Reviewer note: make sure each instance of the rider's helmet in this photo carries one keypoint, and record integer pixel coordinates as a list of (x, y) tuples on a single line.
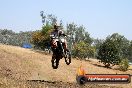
[(56, 26)]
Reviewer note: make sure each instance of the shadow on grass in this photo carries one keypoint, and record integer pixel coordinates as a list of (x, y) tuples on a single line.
[(101, 66)]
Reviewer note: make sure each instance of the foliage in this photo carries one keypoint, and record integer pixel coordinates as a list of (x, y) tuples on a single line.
[(97, 43), (83, 50), (79, 41), (78, 33), (82, 35), (17, 39), (123, 66), (41, 38), (113, 49), (130, 51)]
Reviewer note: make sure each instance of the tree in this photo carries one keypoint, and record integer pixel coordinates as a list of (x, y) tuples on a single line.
[(17, 39), (70, 31), (130, 51), (82, 35), (113, 50), (41, 38), (97, 43), (77, 34), (79, 41)]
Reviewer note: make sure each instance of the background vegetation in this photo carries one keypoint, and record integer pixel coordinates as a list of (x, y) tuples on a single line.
[(114, 50)]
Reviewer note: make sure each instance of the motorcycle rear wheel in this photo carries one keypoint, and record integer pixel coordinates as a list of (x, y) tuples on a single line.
[(68, 57)]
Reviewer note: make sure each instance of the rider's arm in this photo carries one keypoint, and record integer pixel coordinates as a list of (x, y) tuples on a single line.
[(52, 34)]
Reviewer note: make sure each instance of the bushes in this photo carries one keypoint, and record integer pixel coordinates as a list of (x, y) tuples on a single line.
[(41, 38), (83, 50), (123, 66), (108, 53), (113, 49)]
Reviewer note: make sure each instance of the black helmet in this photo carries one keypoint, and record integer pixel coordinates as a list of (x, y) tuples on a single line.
[(56, 26)]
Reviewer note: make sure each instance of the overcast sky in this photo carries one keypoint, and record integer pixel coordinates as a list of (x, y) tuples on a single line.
[(100, 17)]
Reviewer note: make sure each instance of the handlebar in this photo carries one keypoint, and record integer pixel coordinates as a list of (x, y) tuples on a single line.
[(54, 37)]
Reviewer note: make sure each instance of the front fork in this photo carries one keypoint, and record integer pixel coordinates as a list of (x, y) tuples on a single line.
[(62, 48)]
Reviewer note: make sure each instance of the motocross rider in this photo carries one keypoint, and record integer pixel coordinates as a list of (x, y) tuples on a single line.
[(58, 32)]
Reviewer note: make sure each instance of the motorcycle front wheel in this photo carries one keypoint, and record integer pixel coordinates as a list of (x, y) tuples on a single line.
[(55, 62)]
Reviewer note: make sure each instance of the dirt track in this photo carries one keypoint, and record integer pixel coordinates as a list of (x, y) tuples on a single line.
[(17, 65)]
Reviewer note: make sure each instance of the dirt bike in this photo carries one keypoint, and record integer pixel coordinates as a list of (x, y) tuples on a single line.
[(59, 52)]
